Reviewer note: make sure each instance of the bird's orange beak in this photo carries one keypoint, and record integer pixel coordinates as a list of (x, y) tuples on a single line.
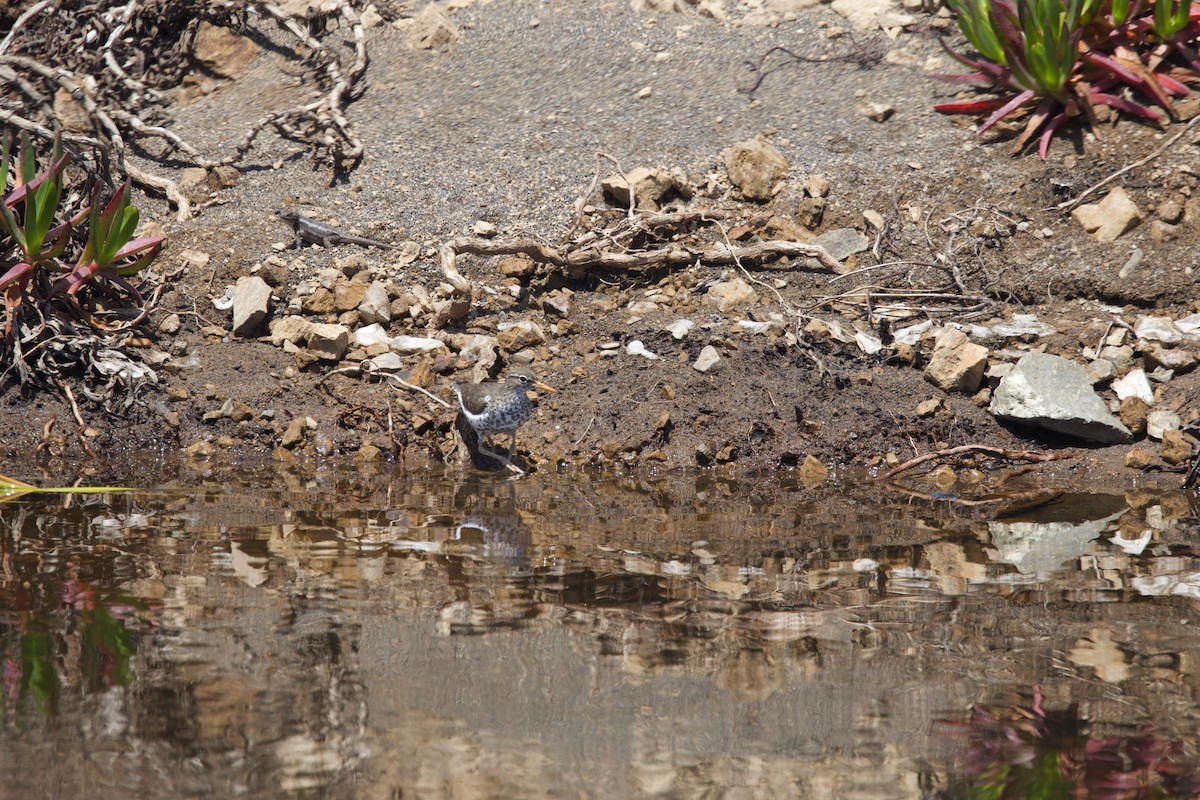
[(542, 387)]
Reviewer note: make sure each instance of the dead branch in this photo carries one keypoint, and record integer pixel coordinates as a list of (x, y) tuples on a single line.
[(999, 452), (1070, 204)]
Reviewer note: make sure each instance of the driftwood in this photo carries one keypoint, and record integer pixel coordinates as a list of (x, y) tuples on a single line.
[(606, 251)]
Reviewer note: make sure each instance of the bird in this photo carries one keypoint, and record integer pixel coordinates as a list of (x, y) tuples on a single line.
[(494, 407)]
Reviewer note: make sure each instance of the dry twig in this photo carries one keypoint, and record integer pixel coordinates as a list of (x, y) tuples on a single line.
[(1000, 452)]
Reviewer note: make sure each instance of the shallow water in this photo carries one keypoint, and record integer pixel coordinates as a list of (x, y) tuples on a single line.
[(449, 636)]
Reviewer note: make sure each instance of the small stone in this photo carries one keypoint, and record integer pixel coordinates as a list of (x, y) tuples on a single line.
[(727, 454), (644, 93), (294, 330), (251, 303), (756, 168), (328, 341), (517, 266), (169, 325), (386, 362), (680, 328), (842, 243), (368, 453), (1138, 458), (1157, 329), (726, 294), (942, 475), (376, 305), (432, 29), (557, 302), (638, 348), (812, 472), (1134, 384), (704, 455), (294, 434), (1169, 211), (874, 219), (708, 360), (927, 408), (1163, 231), (484, 229), (1161, 420), (348, 295), (199, 451), (222, 51), (519, 335), (1113, 216), (878, 112), (957, 363), (370, 335), (1178, 361), (409, 345), (1176, 447), (1133, 414), (653, 187), (1101, 371)]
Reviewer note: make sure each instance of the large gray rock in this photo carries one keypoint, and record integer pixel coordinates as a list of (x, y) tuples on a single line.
[(1049, 392)]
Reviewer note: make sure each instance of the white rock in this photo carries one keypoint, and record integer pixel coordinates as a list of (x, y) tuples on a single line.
[(680, 328), (638, 348), (407, 345), (1158, 329), (754, 326), (1161, 420), (370, 335), (708, 360), (913, 333), (375, 306), (1189, 325), (870, 344), (1134, 384), (1023, 324)]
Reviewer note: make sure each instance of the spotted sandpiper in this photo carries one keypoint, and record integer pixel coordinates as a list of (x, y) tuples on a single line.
[(498, 406)]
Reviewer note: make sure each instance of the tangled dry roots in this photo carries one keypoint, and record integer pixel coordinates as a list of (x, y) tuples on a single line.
[(103, 73)]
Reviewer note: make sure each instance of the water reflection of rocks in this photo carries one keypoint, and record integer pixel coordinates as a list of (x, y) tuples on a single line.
[(660, 636)]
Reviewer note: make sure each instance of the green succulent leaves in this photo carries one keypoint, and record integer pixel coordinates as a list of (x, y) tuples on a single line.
[(40, 236), (1055, 60)]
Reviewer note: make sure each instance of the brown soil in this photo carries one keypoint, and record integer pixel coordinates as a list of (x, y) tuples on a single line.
[(503, 127)]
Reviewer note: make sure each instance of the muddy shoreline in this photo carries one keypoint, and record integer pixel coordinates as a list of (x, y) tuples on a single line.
[(493, 138)]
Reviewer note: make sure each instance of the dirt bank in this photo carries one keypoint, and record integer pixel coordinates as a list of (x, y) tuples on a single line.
[(494, 136)]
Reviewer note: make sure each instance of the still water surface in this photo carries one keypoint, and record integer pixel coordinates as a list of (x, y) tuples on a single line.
[(387, 635)]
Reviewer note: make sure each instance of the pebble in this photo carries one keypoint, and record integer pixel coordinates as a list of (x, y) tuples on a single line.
[(708, 360), (1160, 420), (638, 348), (1134, 384), (680, 328), (408, 345), (370, 335)]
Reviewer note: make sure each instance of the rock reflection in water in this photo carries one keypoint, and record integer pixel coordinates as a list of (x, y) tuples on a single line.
[(350, 635)]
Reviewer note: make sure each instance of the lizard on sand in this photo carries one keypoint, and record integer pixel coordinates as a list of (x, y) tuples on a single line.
[(316, 232)]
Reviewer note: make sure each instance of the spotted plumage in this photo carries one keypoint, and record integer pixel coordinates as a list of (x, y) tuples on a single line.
[(495, 407)]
